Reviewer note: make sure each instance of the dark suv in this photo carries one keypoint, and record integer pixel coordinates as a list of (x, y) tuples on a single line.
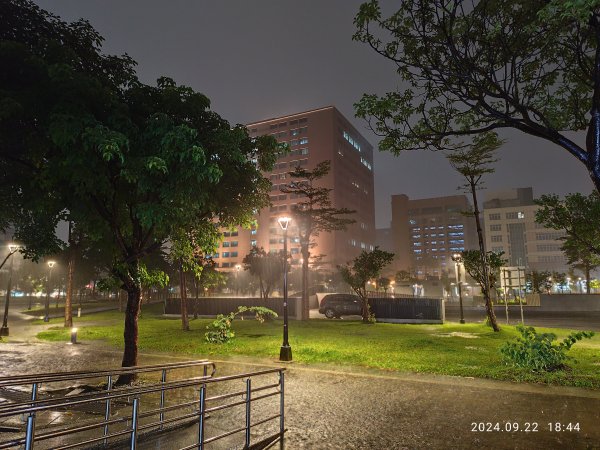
[(338, 305)]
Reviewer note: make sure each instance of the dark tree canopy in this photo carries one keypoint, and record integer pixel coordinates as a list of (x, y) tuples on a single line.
[(132, 165), (468, 67)]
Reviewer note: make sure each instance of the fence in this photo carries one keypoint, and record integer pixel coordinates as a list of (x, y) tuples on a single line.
[(211, 306), (408, 309), (190, 404)]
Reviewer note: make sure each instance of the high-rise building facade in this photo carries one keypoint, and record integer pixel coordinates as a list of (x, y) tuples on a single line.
[(427, 232), (312, 136), (510, 226)]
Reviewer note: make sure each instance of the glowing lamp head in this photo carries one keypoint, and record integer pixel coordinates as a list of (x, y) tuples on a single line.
[(284, 222), (51, 264)]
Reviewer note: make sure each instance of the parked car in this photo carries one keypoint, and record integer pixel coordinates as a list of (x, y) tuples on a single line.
[(338, 305)]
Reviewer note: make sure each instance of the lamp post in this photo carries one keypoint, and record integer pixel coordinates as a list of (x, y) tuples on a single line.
[(238, 267), (12, 249), (457, 258), (285, 354), (47, 305)]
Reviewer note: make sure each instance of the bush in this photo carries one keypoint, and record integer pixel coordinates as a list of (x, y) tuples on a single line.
[(538, 352), (220, 330)]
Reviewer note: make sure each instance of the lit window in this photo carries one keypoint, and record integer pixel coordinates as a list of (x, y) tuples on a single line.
[(226, 244), (303, 141), (225, 254), (253, 243)]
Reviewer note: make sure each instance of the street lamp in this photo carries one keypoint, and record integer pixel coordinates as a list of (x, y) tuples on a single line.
[(457, 258), (238, 267), (285, 354), (12, 249), (51, 265)]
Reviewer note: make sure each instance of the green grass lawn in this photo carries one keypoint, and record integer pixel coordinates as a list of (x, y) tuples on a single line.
[(452, 349)]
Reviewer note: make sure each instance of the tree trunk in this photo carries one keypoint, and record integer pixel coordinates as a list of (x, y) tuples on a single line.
[(196, 287), (305, 256), (185, 323), (587, 279), (130, 333), (486, 279)]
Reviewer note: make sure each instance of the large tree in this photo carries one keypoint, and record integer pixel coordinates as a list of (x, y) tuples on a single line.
[(131, 164), (313, 214), (468, 67), (267, 267), (473, 163)]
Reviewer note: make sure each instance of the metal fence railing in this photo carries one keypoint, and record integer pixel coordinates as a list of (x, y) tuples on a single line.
[(120, 416)]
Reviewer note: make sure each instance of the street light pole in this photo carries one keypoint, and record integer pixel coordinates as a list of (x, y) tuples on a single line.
[(47, 305), (285, 354), (12, 249), (457, 259)]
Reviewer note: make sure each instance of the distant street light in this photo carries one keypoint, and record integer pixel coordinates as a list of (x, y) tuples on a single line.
[(285, 354), (238, 267), (51, 265), (12, 249), (457, 258)]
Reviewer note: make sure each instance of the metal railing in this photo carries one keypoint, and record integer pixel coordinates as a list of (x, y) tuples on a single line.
[(132, 421)]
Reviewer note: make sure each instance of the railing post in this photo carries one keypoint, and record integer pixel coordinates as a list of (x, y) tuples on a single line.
[(163, 379), (134, 423), (281, 410), (29, 437), (107, 408), (248, 405), (201, 417)]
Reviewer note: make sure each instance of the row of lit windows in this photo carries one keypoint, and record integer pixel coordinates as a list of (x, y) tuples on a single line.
[(549, 248), (508, 215), (226, 255), (450, 227), (352, 141), (230, 243), (548, 236), (366, 163)]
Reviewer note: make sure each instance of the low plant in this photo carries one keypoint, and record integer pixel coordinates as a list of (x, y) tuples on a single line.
[(220, 330), (539, 352)]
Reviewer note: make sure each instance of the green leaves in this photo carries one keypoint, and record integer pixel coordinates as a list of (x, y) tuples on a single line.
[(538, 352), (220, 331)]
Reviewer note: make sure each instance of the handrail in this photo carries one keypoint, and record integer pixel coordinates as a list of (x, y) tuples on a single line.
[(179, 414), (76, 375), (42, 405)]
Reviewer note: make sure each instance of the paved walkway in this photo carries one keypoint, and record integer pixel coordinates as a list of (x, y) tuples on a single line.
[(331, 407)]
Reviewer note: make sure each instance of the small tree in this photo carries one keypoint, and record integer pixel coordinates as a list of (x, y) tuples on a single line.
[(581, 258), (384, 284), (539, 281), (365, 267), (314, 214), (485, 274), (473, 163), (267, 267)]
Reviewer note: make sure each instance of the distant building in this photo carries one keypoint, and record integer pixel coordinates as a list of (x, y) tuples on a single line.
[(384, 239), (313, 136), (426, 232), (510, 226)]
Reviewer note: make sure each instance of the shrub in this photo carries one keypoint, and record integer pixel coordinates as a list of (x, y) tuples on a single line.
[(539, 352), (220, 330)]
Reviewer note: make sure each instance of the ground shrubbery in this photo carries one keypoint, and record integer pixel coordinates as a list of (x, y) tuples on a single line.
[(220, 330), (539, 352)]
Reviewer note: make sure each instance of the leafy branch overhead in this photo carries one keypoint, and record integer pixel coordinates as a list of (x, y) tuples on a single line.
[(478, 66)]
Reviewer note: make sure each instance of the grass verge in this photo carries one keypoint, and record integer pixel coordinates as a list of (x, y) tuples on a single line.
[(469, 350)]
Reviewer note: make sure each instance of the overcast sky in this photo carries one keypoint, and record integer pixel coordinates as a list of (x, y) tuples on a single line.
[(259, 59)]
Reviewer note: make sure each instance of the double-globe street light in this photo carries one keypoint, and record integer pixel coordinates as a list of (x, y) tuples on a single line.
[(457, 258), (285, 354), (12, 249), (51, 265)]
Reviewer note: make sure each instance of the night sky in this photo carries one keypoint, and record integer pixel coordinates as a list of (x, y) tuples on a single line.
[(260, 59)]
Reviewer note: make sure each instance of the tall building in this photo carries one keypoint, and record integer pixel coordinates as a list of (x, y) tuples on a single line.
[(510, 226), (426, 232), (313, 136)]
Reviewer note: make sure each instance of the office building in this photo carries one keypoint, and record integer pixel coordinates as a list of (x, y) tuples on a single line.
[(510, 227), (426, 232), (312, 136)]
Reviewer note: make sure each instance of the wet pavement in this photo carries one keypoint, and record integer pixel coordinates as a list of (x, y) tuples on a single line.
[(332, 407)]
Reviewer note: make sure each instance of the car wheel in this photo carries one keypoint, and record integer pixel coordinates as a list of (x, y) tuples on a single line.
[(329, 313)]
